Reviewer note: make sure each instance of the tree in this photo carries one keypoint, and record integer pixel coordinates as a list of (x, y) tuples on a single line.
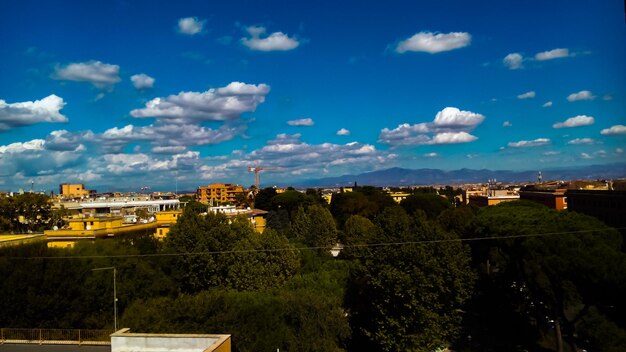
[(563, 273), (300, 225), (407, 297), (432, 204), (194, 233), (28, 212), (261, 262), (322, 230), (264, 199), (366, 201)]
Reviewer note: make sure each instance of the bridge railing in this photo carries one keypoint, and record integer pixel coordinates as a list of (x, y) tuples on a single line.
[(56, 336)]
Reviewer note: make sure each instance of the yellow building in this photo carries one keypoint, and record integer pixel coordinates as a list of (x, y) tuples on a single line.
[(93, 227), (219, 192), (398, 196), (73, 190), (164, 220)]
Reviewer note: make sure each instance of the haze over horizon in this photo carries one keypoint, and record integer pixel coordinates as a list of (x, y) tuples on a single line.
[(144, 93)]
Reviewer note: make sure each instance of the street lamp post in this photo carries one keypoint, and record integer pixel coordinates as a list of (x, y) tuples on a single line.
[(114, 293)]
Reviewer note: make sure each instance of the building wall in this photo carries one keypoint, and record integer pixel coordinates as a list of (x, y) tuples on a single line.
[(608, 206), (551, 199), (220, 192), (73, 190)]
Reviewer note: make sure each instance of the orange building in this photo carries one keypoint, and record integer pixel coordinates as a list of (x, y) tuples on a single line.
[(552, 198), (219, 192), (73, 190)]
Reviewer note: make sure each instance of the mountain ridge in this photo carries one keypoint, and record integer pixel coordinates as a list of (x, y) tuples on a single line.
[(397, 176)]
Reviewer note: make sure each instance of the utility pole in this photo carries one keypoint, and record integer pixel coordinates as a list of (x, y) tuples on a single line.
[(114, 293)]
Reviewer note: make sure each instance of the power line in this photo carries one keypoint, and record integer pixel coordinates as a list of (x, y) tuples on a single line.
[(291, 249)]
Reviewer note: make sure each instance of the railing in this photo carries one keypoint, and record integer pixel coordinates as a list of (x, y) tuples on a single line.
[(55, 336)]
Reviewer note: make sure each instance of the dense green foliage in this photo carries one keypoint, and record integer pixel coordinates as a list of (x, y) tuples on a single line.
[(528, 278), (28, 212)]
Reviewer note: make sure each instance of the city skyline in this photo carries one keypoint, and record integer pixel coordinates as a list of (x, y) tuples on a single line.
[(146, 93)]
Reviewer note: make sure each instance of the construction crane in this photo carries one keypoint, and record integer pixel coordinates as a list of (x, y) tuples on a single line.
[(257, 171)]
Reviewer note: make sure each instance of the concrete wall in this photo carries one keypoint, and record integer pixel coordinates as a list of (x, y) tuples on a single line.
[(122, 341)]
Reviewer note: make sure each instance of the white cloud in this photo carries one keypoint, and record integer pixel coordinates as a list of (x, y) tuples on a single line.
[(142, 81), (190, 25), (614, 130), (63, 140), (582, 141), (552, 54), (582, 95), (301, 122), (453, 117), (580, 120), (585, 156), (19, 147), (527, 95), (507, 124), (434, 42), (216, 104), (547, 104), (297, 157), (431, 155), (452, 138), (166, 135), (533, 143), (513, 61), (33, 158), (31, 112), (343, 132), (449, 126), (175, 149), (619, 150), (277, 41), (551, 153), (99, 74)]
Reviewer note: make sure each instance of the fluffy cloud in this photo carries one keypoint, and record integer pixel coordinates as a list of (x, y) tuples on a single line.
[(452, 138), (449, 126), (431, 155), (34, 158), (277, 41), (507, 124), (296, 157), (527, 95), (142, 81), (216, 104), (547, 104), (525, 144), (190, 25), (434, 42), (614, 130), (63, 140), (582, 141), (164, 135), (99, 74), (580, 120), (582, 95), (453, 117), (301, 122), (169, 149), (513, 61), (343, 132), (31, 112), (552, 54)]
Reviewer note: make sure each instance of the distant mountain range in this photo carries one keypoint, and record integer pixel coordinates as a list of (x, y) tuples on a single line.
[(404, 177)]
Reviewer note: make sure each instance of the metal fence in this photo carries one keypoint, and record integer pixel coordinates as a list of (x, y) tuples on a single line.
[(56, 336)]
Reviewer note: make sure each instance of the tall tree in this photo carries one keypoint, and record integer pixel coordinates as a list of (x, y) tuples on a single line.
[(406, 297)]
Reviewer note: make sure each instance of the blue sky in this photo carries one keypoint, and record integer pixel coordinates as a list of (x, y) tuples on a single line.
[(123, 94)]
